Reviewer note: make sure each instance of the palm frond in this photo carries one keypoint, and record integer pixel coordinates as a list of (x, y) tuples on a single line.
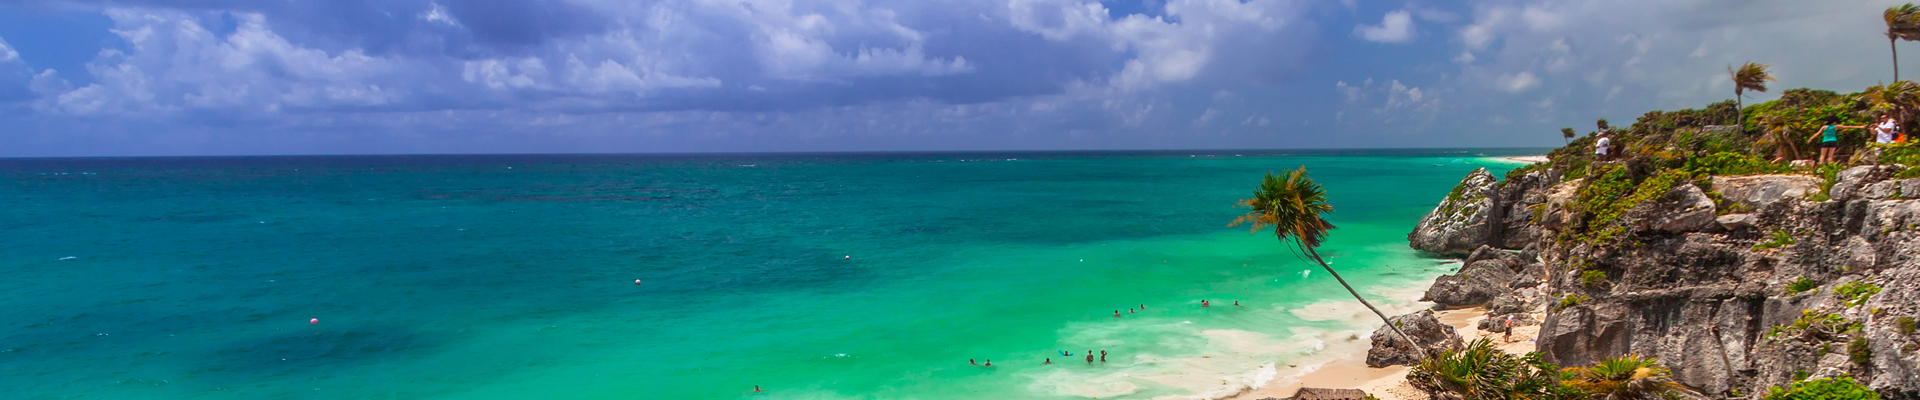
[(1903, 22), (1292, 204), (1750, 76)]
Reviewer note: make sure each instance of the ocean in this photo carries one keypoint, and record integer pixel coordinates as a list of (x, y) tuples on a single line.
[(811, 276)]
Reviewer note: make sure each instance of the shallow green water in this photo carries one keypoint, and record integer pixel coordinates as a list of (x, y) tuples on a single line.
[(812, 276)]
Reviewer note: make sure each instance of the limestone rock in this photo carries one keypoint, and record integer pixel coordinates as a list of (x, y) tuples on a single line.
[(1736, 221), (1684, 209), (1757, 191), (1390, 349), (1474, 285), (1849, 183), (1460, 223)]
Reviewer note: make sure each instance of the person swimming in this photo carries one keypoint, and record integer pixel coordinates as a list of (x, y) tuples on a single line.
[(971, 362), (1048, 362), (1103, 356), (756, 389), (1089, 356), (989, 363), (1236, 303), (1203, 303), (1116, 313)]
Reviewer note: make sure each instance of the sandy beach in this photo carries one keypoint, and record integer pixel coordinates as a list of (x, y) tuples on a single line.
[(1390, 383), (1521, 159)]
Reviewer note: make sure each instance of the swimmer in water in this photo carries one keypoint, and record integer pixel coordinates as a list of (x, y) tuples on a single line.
[(989, 363), (1089, 356), (1203, 303), (971, 362), (1116, 313), (1048, 362), (1103, 356), (1129, 311), (756, 389), (1236, 303)]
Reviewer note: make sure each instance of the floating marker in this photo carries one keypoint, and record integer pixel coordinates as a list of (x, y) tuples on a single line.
[(636, 281), (849, 257), (313, 321)]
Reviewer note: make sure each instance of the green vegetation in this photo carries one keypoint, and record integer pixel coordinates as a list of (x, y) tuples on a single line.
[(1592, 278), (1800, 285), (1815, 326), (1856, 292), (1907, 325), (1841, 388), (1750, 76), (1859, 351), (1569, 301), (1482, 371), (1292, 204), (1626, 377), (1731, 163), (1779, 239)]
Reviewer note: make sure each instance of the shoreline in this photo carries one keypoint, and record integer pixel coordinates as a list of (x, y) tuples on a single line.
[(1521, 160), (1388, 383)]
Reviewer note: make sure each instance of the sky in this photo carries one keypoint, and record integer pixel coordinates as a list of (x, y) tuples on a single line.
[(242, 77)]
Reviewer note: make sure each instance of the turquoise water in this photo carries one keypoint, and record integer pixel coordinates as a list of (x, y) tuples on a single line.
[(867, 276)]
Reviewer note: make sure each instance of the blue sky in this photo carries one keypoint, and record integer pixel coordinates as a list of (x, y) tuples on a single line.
[(232, 77)]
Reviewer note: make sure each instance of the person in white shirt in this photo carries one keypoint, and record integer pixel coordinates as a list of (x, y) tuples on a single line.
[(1600, 148), (1885, 131)]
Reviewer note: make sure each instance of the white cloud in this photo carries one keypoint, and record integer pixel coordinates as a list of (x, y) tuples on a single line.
[(1396, 27), (1520, 82)]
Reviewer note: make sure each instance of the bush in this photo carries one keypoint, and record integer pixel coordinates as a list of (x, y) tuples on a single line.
[(1859, 351), (1778, 239), (1569, 301), (1907, 325), (1592, 278), (1801, 284), (1729, 163), (1856, 292), (1482, 371), (1842, 388), (1815, 326)]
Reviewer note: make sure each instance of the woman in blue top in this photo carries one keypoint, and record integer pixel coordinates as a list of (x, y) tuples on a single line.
[(1830, 138)]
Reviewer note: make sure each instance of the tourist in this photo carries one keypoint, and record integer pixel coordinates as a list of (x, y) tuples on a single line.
[(1829, 137), (989, 363), (1236, 303), (1203, 303), (1116, 313), (1089, 357), (971, 362), (756, 389), (1884, 132), (1508, 323), (1048, 362), (1600, 147), (1103, 356)]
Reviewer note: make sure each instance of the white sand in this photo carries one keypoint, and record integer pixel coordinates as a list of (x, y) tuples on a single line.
[(1520, 159), (1390, 383)]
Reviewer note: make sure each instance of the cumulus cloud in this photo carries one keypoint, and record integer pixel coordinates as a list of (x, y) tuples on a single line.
[(1396, 27)]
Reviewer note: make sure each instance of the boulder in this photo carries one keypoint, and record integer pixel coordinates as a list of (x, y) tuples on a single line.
[(1496, 323), (1513, 259), (1758, 191), (1797, 164), (1530, 276), (1507, 304), (1736, 221), (1389, 349), (1474, 285), (1849, 183), (1460, 223), (1684, 209)]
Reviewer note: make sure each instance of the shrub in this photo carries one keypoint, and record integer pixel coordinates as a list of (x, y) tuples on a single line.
[(1481, 370), (1801, 284), (1729, 163), (1592, 278), (1812, 325), (1907, 325), (1569, 301), (1859, 351), (1778, 239), (1856, 292), (1626, 377), (1841, 388)]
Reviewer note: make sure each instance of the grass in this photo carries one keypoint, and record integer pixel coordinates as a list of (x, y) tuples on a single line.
[(1569, 301), (1859, 351), (1592, 278), (1907, 325), (1814, 325)]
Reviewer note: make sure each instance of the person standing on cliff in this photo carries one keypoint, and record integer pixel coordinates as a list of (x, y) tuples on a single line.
[(1885, 131), (1600, 147), (1829, 137)]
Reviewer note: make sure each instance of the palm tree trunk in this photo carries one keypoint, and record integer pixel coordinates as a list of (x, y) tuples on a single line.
[(1739, 111), (1896, 57), (1363, 301)]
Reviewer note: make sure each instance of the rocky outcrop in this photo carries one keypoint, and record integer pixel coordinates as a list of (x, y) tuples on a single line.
[(1461, 222), (1482, 211), (1708, 295), (1389, 349), (1758, 191)]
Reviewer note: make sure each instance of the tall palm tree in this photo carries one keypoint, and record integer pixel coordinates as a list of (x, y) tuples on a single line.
[(1292, 205), (1602, 124), (1629, 377), (1568, 134), (1750, 76), (1903, 23)]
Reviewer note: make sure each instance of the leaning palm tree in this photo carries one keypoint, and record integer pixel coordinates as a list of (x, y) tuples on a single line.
[(1629, 377), (1567, 134), (1292, 205), (1750, 76), (1903, 23)]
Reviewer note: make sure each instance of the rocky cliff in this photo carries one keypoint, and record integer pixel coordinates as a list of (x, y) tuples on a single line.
[(1736, 283)]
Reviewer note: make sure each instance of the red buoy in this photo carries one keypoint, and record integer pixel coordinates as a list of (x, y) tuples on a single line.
[(313, 321), (636, 281)]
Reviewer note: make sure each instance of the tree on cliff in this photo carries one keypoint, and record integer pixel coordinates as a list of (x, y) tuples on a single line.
[(1292, 205), (1568, 134), (1903, 23), (1750, 76)]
